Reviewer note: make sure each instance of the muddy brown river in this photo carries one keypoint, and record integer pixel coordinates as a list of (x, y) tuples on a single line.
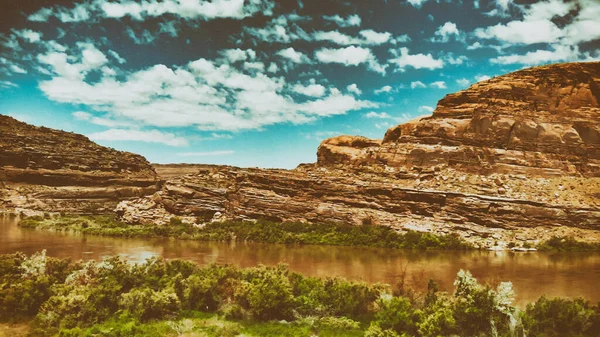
[(532, 273)]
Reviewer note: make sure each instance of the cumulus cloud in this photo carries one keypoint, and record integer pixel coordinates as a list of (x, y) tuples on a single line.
[(204, 94), (416, 3), (312, 90), (381, 115), (463, 82), (540, 56), (480, 78), (28, 35), (367, 37), (136, 10), (385, 88), (438, 85), (352, 20), (403, 59), (445, 32), (417, 84), (353, 88), (293, 55), (151, 136), (538, 31), (350, 56)]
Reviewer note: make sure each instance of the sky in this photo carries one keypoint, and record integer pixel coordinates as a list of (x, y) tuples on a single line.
[(260, 83)]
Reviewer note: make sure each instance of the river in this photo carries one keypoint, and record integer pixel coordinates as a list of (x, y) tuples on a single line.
[(532, 273)]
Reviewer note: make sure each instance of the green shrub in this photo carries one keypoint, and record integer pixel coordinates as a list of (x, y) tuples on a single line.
[(146, 304), (560, 317)]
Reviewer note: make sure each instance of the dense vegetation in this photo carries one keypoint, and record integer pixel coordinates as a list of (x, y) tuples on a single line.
[(567, 244), (260, 231), (175, 298)]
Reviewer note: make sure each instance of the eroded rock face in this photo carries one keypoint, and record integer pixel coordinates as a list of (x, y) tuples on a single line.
[(509, 160), (540, 121), (46, 169)]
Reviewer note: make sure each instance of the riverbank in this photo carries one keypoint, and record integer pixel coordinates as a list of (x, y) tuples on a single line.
[(174, 298), (285, 233), (259, 231)]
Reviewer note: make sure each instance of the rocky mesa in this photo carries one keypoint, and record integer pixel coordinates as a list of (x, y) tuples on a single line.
[(509, 161), (51, 170)]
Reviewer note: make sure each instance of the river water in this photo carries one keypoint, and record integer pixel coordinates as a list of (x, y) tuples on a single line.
[(532, 273)]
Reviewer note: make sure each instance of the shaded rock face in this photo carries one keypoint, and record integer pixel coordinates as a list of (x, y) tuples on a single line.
[(510, 160), (540, 121), (48, 169)]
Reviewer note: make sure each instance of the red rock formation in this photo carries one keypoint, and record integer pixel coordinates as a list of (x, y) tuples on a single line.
[(540, 121), (48, 169)]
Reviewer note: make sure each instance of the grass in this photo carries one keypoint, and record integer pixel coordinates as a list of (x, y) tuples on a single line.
[(261, 231)]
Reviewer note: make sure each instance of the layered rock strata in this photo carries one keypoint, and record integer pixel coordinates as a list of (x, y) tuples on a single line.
[(540, 121), (512, 159), (52, 170)]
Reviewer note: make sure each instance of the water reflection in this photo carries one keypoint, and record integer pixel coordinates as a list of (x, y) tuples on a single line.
[(533, 274)]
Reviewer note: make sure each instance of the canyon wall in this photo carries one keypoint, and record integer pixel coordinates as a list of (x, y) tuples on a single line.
[(513, 159), (52, 170)]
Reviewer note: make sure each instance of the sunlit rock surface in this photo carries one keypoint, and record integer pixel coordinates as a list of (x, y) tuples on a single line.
[(52, 170), (514, 159)]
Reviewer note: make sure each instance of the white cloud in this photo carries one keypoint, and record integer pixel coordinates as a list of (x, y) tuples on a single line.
[(404, 60), (117, 57), (445, 32), (538, 31), (110, 123), (40, 16), (152, 136), (203, 94), (438, 85), (273, 68), (353, 88), (367, 37), (28, 35), (186, 9), (293, 55), (385, 88), (257, 66), (372, 37), (381, 115), (463, 82), (480, 78), (426, 109), (16, 69), (234, 55), (8, 85), (312, 90), (350, 56), (416, 3), (417, 84), (207, 154), (540, 56), (144, 37), (352, 20)]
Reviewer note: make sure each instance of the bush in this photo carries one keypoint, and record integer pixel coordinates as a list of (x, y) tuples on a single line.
[(397, 314), (146, 304), (268, 293), (560, 317)]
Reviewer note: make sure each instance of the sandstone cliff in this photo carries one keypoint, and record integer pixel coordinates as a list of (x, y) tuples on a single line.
[(540, 121), (52, 170), (512, 159)]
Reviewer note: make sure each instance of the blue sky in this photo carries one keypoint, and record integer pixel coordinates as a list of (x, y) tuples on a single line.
[(261, 82)]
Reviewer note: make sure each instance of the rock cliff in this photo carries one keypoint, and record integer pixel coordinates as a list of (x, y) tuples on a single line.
[(513, 159), (541, 121), (52, 170)]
